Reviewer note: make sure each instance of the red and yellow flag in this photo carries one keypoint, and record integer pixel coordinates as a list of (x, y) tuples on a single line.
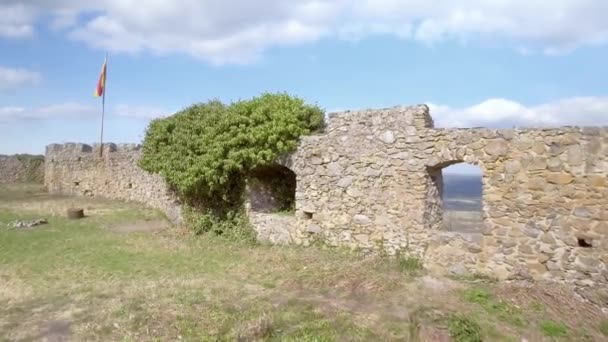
[(101, 85)]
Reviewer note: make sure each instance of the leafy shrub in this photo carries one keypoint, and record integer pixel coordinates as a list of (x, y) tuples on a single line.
[(207, 151)]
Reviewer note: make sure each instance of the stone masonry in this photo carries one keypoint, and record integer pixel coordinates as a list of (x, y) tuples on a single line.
[(372, 180), (77, 169), (15, 169)]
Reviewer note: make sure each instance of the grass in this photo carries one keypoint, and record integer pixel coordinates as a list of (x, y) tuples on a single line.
[(109, 285), (553, 329), (505, 311), (604, 328), (464, 329)]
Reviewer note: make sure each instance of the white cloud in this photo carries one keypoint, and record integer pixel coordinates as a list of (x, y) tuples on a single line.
[(140, 112), (501, 113), (57, 111), (16, 20), (74, 110), (15, 78), (239, 31)]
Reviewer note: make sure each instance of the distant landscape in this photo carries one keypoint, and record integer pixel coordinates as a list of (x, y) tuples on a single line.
[(462, 202), (462, 192)]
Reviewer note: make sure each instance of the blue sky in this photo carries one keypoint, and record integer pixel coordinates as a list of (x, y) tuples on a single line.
[(478, 63)]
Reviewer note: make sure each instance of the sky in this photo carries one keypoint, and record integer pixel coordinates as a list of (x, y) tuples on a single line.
[(476, 63)]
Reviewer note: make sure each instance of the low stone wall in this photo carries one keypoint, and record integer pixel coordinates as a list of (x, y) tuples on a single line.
[(78, 169), (21, 168)]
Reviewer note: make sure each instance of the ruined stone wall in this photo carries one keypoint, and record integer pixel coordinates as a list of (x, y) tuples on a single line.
[(78, 169), (545, 201), (373, 180), (360, 182), (21, 168)]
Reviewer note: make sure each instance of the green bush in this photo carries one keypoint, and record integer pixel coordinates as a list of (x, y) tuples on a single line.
[(207, 151)]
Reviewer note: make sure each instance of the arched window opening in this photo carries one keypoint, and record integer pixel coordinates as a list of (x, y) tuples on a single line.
[(456, 198), (272, 189)]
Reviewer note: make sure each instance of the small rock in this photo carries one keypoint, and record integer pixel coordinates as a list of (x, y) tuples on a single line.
[(497, 147), (474, 248), (345, 182), (388, 137), (560, 178), (313, 228), (361, 220), (582, 212), (458, 269)]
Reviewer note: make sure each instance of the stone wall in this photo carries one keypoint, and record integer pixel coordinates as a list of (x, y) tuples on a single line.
[(21, 168), (373, 180), (78, 169)]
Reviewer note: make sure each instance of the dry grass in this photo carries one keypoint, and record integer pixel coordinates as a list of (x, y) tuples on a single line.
[(84, 280)]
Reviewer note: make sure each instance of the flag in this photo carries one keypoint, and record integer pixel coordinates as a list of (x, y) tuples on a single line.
[(101, 85)]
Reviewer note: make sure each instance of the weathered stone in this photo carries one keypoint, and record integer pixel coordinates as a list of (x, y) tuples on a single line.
[(474, 248), (597, 181), (556, 149), (525, 249), (345, 182), (582, 212), (601, 228), (361, 220), (575, 155), (553, 266), (539, 147), (497, 147), (458, 269), (316, 160), (363, 238), (586, 264), (314, 229), (560, 178), (372, 173), (388, 137), (548, 238), (538, 163), (554, 164), (543, 258)]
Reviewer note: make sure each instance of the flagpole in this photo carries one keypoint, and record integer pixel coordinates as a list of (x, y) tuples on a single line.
[(103, 105)]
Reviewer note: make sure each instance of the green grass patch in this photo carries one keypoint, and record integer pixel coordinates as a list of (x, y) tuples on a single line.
[(504, 311), (464, 329), (553, 329), (604, 328), (409, 265)]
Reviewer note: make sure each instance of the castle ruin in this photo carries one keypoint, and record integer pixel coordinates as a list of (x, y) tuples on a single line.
[(372, 180)]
